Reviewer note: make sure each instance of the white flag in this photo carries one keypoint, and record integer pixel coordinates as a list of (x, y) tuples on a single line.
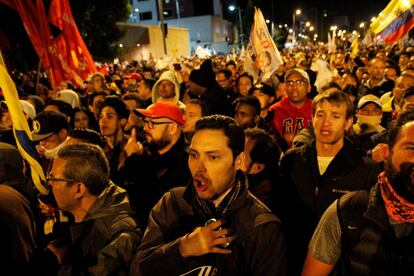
[(262, 55)]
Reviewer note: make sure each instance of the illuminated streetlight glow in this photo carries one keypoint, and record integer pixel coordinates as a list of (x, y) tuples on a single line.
[(362, 25), (232, 8), (136, 10), (373, 19), (280, 26), (297, 12), (267, 21), (121, 45), (307, 24), (311, 28)]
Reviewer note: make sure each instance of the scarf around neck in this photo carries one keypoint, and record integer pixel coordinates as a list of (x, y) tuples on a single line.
[(399, 209)]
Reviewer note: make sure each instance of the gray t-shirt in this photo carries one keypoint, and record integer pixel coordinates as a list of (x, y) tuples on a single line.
[(325, 244)]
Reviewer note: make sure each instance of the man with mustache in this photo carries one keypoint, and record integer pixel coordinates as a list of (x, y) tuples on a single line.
[(214, 226), (152, 169), (382, 217)]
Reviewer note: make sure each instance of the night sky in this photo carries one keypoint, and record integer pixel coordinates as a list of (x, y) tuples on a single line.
[(356, 10)]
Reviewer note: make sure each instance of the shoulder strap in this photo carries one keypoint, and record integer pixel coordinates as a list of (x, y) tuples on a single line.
[(351, 208)]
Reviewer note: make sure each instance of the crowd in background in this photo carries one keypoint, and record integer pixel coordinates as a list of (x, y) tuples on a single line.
[(315, 130)]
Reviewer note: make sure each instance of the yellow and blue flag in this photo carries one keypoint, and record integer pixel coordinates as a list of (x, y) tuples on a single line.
[(394, 21), (21, 130)]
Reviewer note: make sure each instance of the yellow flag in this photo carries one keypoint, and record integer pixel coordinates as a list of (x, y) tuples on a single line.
[(21, 129)]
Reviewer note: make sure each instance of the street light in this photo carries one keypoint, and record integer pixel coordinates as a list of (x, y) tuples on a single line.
[(295, 13), (232, 8)]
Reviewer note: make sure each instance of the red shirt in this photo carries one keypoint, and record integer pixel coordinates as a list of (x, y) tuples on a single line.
[(289, 120)]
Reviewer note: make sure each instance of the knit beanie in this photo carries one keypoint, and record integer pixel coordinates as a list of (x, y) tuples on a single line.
[(204, 76)]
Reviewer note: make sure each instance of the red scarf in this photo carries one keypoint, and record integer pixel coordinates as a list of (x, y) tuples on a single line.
[(399, 209)]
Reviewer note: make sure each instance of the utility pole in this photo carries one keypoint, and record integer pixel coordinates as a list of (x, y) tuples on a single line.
[(161, 14)]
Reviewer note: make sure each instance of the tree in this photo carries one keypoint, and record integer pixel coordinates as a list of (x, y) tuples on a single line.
[(96, 20)]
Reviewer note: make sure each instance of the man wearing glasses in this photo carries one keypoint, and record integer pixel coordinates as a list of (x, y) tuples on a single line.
[(104, 233), (160, 164), (294, 112)]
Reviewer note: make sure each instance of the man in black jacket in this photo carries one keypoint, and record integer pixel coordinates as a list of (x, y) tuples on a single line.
[(214, 226), (104, 233), (314, 175), (161, 163), (371, 232), (202, 84)]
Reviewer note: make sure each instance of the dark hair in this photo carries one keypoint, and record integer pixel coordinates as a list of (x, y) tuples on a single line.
[(334, 96), (264, 88), (88, 135), (205, 111), (408, 93), (395, 67), (86, 163), (63, 107), (227, 73), (93, 95), (394, 132), (228, 125), (231, 62), (331, 85), (351, 90), (265, 149), (249, 100), (89, 114), (244, 75), (133, 96), (148, 82), (117, 104)]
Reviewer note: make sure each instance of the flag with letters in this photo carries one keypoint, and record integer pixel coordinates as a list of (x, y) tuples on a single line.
[(262, 56), (395, 21)]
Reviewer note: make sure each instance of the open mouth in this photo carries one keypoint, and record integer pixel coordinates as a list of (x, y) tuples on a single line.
[(200, 183)]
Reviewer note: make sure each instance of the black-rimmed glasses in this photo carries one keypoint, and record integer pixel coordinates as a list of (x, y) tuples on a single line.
[(151, 124)]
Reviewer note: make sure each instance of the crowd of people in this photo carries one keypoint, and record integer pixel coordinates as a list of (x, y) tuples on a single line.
[(199, 169)]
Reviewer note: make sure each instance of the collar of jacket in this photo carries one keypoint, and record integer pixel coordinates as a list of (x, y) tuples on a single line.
[(230, 204)]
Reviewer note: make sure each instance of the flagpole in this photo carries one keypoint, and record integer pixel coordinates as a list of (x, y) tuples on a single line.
[(38, 74)]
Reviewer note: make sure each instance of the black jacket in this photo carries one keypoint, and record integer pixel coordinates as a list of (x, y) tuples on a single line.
[(147, 177), (303, 194), (377, 250), (105, 241), (259, 249)]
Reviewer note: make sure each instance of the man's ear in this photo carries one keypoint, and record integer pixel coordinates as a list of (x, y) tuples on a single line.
[(386, 150), (123, 122), (173, 128), (80, 190), (63, 133), (256, 168), (349, 123), (238, 163)]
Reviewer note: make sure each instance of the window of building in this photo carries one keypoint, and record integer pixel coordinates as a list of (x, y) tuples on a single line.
[(145, 15)]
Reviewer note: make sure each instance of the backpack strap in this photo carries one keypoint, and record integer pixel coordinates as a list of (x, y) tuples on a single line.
[(351, 208)]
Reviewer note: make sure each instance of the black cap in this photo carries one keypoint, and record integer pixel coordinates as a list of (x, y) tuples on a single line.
[(47, 123)]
